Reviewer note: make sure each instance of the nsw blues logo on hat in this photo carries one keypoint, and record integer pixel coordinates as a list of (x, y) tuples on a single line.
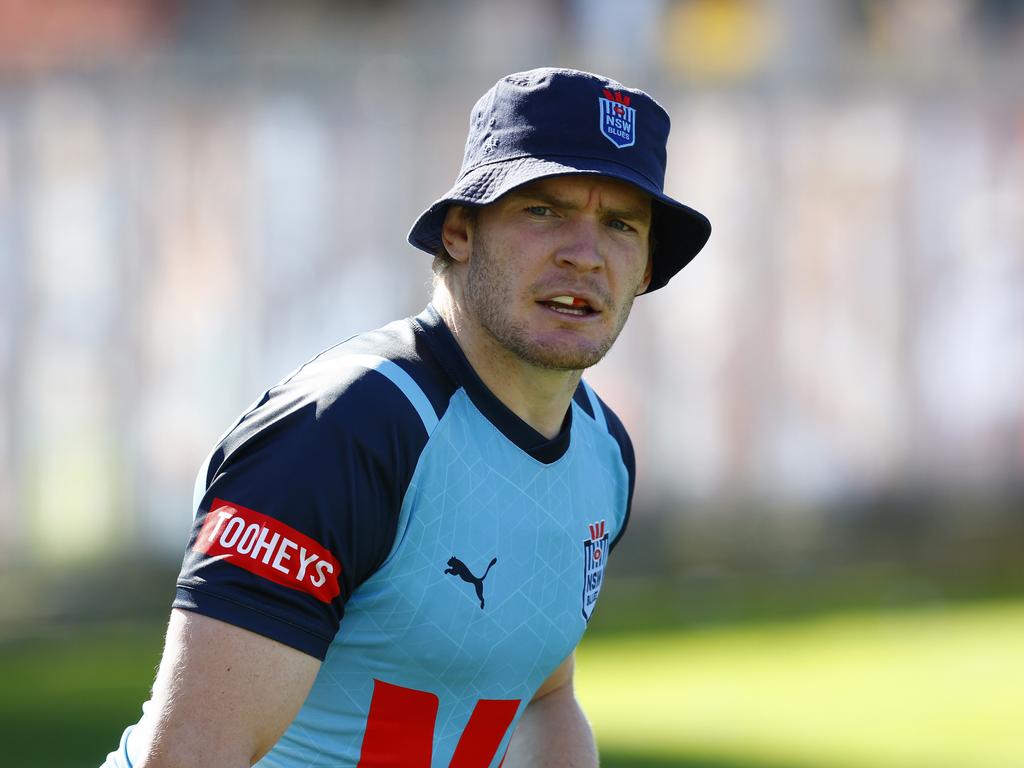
[(618, 119), (536, 125)]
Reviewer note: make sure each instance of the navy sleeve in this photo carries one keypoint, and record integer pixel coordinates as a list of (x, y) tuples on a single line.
[(621, 437), (301, 506), (618, 431)]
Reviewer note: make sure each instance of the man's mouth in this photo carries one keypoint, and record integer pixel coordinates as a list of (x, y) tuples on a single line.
[(569, 305)]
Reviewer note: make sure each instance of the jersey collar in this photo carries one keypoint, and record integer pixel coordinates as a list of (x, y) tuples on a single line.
[(444, 345)]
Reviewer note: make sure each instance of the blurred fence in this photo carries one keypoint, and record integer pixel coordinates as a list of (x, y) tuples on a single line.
[(183, 223)]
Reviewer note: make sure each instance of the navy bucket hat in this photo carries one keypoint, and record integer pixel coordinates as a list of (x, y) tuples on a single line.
[(557, 122)]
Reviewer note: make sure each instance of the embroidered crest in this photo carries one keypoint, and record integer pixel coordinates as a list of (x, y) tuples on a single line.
[(595, 554), (618, 119)]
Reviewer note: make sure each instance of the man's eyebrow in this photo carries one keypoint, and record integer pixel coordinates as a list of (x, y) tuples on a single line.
[(632, 212)]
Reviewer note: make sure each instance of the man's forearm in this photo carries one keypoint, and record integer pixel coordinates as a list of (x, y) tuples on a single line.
[(553, 733)]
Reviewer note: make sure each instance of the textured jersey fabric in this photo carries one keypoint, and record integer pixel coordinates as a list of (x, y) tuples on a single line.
[(383, 511)]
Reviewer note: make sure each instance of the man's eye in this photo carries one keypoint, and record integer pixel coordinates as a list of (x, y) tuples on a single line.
[(620, 225), (538, 210)]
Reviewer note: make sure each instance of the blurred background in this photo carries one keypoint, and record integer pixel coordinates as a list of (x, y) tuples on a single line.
[(824, 564)]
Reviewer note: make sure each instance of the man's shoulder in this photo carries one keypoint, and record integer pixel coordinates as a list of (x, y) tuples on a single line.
[(385, 375), (603, 416), (608, 421), (369, 393)]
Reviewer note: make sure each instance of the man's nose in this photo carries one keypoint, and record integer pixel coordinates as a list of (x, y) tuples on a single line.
[(581, 247)]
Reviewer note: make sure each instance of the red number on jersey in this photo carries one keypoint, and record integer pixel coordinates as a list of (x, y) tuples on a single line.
[(400, 729)]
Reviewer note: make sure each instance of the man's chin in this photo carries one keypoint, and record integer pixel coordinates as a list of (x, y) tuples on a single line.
[(558, 350), (554, 357)]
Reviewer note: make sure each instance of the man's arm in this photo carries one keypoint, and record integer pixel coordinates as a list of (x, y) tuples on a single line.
[(222, 697), (553, 732)]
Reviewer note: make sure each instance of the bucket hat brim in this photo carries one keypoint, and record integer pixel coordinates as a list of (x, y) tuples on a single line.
[(679, 231)]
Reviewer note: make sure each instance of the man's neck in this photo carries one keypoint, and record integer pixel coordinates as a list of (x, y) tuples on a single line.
[(539, 396)]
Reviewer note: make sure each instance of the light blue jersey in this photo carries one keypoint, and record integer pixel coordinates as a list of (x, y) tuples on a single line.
[(461, 553)]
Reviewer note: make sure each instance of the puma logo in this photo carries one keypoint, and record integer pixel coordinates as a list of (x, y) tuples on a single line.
[(458, 568)]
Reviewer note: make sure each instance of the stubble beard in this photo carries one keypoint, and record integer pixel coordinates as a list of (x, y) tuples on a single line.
[(486, 299)]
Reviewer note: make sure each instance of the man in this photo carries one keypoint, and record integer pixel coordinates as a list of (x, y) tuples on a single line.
[(397, 549)]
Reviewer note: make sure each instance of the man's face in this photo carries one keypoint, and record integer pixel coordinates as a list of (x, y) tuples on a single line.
[(555, 266)]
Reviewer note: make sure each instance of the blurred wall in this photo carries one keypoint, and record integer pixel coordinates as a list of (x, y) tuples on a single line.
[(195, 197)]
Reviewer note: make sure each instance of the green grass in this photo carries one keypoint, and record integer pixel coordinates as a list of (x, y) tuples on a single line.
[(65, 700), (932, 688), (918, 689)]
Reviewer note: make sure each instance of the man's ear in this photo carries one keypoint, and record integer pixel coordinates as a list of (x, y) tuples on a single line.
[(457, 231)]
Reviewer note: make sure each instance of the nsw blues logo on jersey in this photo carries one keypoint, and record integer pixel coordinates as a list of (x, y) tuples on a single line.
[(595, 554), (618, 119)]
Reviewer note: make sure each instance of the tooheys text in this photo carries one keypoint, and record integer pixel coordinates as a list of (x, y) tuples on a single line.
[(270, 549)]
